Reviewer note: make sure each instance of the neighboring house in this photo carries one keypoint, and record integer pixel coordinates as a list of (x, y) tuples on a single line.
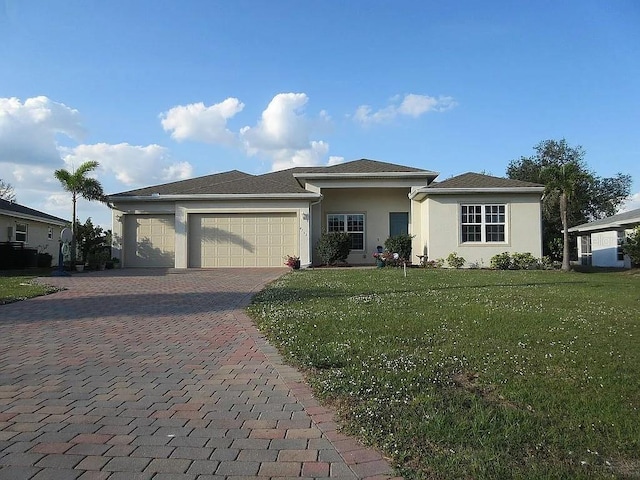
[(235, 219), (31, 228), (600, 242)]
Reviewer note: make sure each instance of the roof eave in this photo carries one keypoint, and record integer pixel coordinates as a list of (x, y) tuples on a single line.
[(586, 227), (26, 216), (216, 196), (421, 174), (425, 191)]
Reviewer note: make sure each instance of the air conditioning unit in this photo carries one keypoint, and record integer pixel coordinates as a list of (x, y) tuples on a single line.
[(9, 234)]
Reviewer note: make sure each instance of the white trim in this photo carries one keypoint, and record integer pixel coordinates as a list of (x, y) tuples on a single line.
[(217, 196), (422, 174), (426, 191), (364, 226), (484, 224), (24, 216)]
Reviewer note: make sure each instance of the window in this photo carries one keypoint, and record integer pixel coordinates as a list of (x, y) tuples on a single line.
[(353, 224), (585, 247), (621, 239), (50, 233), (483, 223), (21, 232)]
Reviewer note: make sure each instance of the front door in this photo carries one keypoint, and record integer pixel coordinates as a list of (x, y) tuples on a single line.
[(398, 223)]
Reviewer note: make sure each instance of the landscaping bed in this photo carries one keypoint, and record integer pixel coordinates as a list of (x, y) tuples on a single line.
[(471, 373)]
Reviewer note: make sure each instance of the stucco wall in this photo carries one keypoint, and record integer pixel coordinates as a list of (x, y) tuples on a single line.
[(604, 250), (37, 233), (440, 233), (375, 204)]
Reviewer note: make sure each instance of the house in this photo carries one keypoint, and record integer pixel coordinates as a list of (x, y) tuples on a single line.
[(30, 228), (234, 219), (600, 242)]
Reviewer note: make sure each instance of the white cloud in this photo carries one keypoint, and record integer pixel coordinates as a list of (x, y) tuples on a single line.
[(283, 133), (204, 124), (28, 130), (133, 165), (632, 203), (412, 105), (333, 160)]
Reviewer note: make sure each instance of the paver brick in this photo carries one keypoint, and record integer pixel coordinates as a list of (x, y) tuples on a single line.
[(168, 379)]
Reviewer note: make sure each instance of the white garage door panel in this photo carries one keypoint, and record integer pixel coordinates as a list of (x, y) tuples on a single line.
[(149, 241), (242, 240)]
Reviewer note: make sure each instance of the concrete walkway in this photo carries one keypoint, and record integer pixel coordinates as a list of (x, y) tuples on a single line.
[(148, 374)]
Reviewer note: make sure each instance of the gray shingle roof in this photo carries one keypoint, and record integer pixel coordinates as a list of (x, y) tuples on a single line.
[(478, 180), (236, 182), (630, 218), (20, 210)]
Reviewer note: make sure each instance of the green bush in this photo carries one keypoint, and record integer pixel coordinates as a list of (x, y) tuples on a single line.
[(455, 261), (334, 247), (501, 261), (631, 246), (400, 244), (524, 261)]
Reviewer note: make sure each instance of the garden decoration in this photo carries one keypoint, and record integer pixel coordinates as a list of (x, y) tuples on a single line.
[(65, 239)]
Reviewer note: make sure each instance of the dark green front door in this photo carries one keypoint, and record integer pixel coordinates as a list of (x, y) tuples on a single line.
[(398, 223)]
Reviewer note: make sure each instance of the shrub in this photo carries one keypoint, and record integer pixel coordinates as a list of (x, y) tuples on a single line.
[(437, 263), (631, 246), (334, 247), (501, 261), (524, 261), (455, 261), (400, 244)]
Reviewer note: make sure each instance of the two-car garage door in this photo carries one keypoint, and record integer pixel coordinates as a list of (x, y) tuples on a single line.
[(214, 240), (242, 239)]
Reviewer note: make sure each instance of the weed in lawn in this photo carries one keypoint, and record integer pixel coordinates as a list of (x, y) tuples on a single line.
[(21, 287), (473, 374)]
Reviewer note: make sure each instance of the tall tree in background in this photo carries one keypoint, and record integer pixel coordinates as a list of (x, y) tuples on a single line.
[(573, 195), (7, 192), (80, 185)]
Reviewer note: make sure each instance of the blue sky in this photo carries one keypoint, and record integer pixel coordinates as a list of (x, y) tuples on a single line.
[(163, 90)]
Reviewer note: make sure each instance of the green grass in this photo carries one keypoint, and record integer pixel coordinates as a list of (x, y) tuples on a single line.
[(15, 286), (470, 373)]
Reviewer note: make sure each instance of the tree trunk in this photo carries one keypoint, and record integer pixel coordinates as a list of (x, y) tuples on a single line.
[(73, 230), (566, 266)]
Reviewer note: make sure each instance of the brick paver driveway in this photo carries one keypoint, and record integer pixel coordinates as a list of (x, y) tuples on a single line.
[(143, 374)]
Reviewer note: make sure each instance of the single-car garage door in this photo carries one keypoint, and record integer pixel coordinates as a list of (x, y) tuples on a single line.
[(242, 240), (149, 241)]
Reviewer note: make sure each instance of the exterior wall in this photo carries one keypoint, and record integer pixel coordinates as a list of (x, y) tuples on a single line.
[(604, 248), (375, 204), (182, 209), (440, 232), (37, 234)]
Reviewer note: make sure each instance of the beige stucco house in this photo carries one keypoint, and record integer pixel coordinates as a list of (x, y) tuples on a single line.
[(31, 228), (600, 242), (235, 219)]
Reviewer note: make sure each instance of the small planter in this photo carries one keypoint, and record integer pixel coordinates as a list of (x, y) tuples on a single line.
[(379, 263), (296, 265), (79, 267)]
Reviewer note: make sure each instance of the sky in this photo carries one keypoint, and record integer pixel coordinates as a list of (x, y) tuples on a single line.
[(162, 90)]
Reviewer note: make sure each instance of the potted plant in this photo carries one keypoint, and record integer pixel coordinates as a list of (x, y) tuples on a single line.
[(292, 261)]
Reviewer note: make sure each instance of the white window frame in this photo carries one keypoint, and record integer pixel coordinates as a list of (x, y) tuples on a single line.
[(21, 232), (345, 229), (483, 210)]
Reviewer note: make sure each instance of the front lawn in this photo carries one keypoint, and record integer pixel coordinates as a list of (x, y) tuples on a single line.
[(15, 286), (471, 373)]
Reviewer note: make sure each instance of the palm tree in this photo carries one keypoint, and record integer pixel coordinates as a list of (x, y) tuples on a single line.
[(562, 180), (78, 184)]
